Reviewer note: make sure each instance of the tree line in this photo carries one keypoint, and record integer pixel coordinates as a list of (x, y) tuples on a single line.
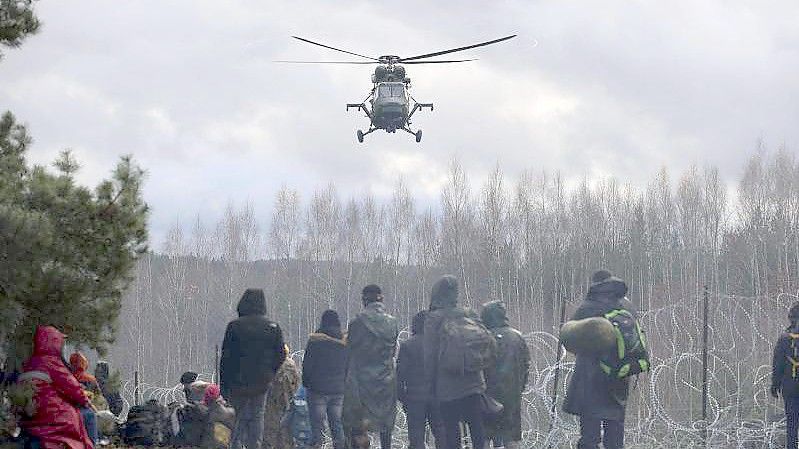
[(531, 244)]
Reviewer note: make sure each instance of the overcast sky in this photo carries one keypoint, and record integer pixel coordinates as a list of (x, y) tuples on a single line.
[(610, 88)]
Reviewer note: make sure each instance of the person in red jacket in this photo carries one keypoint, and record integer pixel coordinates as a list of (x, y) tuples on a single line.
[(58, 395)]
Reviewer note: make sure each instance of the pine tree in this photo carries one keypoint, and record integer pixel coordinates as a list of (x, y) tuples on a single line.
[(17, 21), (67, 253)]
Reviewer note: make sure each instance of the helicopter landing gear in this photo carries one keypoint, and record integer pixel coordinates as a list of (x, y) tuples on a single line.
[(417, 134), (360, 134)]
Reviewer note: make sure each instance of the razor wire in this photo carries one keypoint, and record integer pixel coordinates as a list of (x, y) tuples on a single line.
[(664, 406)]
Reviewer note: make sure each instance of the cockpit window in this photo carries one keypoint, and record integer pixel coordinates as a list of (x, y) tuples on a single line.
[(391, 90)]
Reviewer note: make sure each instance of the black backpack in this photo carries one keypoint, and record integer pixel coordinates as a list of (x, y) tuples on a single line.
[(630, 356), (145, 424)]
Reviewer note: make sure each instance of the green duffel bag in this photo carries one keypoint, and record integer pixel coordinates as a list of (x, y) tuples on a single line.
[(590, 336)]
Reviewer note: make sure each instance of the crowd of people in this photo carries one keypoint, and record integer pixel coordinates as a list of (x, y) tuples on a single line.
[(459, 373)]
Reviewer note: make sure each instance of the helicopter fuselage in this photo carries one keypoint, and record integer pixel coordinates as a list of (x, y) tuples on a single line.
[(390, 106)]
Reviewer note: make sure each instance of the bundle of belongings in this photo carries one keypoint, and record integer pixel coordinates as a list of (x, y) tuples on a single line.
[(205, 420)]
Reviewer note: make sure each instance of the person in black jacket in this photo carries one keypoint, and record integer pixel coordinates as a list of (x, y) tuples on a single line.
[(597, 399), (252, 352), (785, 374), (324, 367), (413, 390)]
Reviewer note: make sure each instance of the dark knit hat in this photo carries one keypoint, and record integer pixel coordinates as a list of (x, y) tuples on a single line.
[(188, 377), (330, 319), (372, 293), (600, 276)]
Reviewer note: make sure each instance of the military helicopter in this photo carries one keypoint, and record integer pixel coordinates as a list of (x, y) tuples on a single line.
[(392, 106)]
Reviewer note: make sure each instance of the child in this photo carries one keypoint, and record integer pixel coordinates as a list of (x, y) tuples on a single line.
[(298, 420)]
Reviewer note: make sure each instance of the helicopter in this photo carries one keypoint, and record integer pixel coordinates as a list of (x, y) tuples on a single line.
[(392, 106)]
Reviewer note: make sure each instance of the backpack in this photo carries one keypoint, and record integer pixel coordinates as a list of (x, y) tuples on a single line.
[(466, 346), (793, 359), (145, 425), (631, 356), (298, 418), (221, 420)]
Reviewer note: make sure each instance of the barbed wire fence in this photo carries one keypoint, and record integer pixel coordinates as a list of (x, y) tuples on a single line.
[(665, 405)]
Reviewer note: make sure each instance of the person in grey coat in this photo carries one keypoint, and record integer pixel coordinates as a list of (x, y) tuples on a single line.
[(507, 377), (460, 396), (599, 401), (370, 386)]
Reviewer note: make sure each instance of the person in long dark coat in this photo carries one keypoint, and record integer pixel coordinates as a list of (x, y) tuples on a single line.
[(413, 390), (459, 395), (507, 378), (597, 399), (370, 391), (785, 376), (252, 352)]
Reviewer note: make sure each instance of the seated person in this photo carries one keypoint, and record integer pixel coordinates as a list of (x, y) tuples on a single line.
[(56, 421), (78, 364), (193, 388)]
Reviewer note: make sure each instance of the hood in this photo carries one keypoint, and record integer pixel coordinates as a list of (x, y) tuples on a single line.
[(78, 362), (444, 293), (417, 324), (379, 323), (252, 303), (48, 341), (212, 393), (609, 288), (494, 315)]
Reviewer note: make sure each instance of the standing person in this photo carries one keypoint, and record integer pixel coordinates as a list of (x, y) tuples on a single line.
[(507, 377), (457, 349), (370, 391), (56, 421), (283, 387), (324, 368), (252, 352), (413, 391), (598, 399), (785, 374)]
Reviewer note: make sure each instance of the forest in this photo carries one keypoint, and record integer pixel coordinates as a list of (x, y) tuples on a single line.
[(532, 244)]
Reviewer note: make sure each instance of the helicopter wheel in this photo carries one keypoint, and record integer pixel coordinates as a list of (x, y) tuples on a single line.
[(418, 136), (360, 136)]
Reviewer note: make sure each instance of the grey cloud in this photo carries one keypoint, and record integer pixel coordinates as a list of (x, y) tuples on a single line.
[(189, 87)]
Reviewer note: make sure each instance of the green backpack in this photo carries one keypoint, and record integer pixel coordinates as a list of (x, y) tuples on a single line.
[(630, 356)]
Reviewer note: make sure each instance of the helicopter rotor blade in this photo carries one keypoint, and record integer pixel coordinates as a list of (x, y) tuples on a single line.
[(333, 48), (327, 62), (438, 62), (444, 52)]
